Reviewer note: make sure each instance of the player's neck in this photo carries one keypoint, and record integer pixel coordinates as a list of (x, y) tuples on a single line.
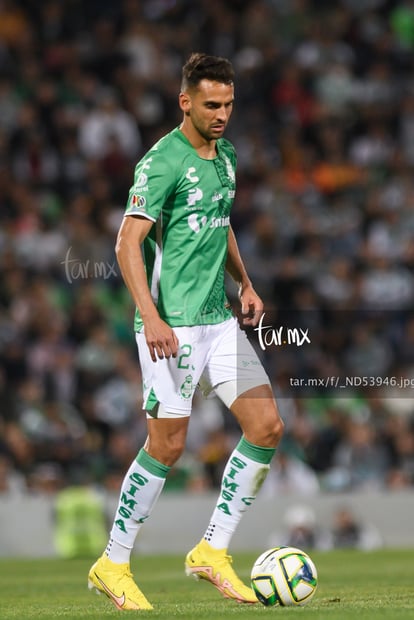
[(205, 148)]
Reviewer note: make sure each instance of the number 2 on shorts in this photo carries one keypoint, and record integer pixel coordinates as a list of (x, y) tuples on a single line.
[(187, 349)]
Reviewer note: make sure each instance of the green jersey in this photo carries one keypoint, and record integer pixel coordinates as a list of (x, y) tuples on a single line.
[(189, 199)]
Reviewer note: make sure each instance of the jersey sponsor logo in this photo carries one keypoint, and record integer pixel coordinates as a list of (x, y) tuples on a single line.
[(219, 222), (191, 176), (137, 202), (195, 194), (217, 196), (196, 223), (146, 165), (232, 193), (141, 180)]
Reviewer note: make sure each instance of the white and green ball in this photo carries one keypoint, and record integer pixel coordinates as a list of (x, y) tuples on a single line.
[(284, 576)]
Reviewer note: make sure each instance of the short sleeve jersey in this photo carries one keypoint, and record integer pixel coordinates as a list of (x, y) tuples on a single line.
[(189, 199)]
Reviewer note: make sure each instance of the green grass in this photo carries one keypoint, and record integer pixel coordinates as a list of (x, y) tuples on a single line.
[(359, 586)]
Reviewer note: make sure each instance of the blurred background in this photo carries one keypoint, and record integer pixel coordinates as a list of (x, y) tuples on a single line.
[(324, 214)]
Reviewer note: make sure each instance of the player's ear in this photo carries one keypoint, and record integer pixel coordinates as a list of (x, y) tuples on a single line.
[(184, 101)]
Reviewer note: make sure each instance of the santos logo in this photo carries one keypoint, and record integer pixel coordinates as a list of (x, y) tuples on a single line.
[(196, 223), (195, 194)]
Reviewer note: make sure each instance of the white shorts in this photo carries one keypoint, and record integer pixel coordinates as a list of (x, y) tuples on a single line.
[(208, 356)]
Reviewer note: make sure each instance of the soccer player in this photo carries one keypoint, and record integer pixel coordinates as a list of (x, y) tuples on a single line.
[(178, 210)]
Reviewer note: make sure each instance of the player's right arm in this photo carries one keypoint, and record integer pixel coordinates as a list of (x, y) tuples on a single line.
[(160, 337)]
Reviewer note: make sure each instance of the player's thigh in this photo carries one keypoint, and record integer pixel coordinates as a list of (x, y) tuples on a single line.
[(238, 378), (233, 366), (169, 384)]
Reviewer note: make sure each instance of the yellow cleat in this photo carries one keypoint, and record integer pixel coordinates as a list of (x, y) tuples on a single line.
[(214, 565), (115, 580)]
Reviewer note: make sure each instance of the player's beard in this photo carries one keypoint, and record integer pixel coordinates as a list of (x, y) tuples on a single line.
[(207, 132), (210, 135)]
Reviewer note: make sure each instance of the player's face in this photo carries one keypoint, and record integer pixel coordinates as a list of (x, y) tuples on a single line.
[(208, 108)]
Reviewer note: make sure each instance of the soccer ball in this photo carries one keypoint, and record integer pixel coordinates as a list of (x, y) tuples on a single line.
[(284, 576)]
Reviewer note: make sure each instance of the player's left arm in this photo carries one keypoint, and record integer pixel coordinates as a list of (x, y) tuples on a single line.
[(251, 303)]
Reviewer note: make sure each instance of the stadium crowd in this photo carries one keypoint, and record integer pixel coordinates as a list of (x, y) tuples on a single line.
[(324, 213)]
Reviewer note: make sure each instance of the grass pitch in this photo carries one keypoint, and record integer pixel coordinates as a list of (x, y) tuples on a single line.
[(369, 586)]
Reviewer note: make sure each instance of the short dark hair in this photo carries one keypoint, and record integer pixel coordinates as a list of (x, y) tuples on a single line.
[(200, 66)]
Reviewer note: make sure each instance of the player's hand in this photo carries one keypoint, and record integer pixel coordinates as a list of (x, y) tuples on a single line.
[(161, 339), (251, 305)]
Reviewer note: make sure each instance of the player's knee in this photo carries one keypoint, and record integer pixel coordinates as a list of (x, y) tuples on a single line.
[(272, 432), (166, 447), (166, 453), (277, 430), (175, 450)]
